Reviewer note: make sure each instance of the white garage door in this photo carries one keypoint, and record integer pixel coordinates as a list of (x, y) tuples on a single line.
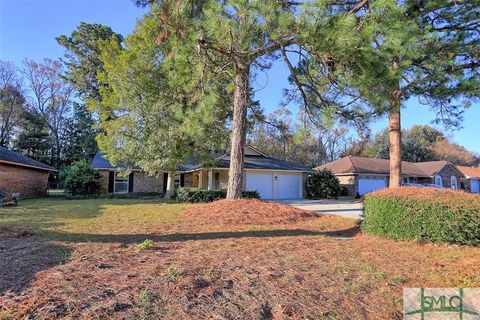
[(288, 186), (368, 184), (262, 182), (275, 185)]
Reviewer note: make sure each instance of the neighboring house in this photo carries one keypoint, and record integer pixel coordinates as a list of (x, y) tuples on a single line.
[(471, 182), (272, 178), (361, 175), (20, 174)]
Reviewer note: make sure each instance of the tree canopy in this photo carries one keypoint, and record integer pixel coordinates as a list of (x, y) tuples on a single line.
[(146, 117)]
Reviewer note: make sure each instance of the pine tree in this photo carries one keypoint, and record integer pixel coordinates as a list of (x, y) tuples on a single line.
[(381, 53)]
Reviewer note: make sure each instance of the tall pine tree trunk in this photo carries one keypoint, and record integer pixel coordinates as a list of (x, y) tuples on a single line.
[(239, 131), (395, 136), (170, 185)]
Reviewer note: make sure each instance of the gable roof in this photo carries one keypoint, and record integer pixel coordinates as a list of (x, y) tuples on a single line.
[(100, 162), (469, 172), (254, 159), (356, 165), (15, 158)]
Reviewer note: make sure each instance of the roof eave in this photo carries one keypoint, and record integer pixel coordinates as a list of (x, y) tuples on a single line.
[(28, 166)]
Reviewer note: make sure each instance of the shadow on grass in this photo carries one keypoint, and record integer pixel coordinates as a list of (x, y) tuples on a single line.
[(22, 258), (179, 237)]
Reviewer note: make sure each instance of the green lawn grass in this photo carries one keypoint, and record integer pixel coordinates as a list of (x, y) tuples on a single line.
[(48, 216)]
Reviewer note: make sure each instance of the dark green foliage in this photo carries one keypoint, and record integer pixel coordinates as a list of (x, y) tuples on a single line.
[(188, 194), (420, 143), (34, 140), (82, 57), (323, 184), (426, 214), (81, 135), (80, 179), (130, 195)]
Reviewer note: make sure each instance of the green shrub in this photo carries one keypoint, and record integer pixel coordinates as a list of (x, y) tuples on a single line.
[(80, 179), (323, 184), (188, 194), (425, 214), (130, 195)]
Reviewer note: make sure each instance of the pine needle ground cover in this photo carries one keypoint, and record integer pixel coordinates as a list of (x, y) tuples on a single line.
[(80, 258)]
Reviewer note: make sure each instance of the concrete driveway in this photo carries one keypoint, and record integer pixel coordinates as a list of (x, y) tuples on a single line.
[(348, 209)]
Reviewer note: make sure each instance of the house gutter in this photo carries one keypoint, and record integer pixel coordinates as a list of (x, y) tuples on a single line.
[(28, 166)]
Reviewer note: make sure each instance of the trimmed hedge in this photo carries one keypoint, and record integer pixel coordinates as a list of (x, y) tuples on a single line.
[(323, 184), (130, 195), (425, 214), (188, 194)]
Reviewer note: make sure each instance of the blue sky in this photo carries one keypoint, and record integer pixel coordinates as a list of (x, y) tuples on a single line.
[(28, 29)]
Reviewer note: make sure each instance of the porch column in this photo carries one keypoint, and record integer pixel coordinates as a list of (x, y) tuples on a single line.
[(200, 179), (210, 180)]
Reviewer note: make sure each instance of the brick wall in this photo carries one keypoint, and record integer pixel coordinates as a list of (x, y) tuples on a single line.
[(141, 182), (103, 181), (189, 179), (446, 173), (28, 182), (145, 183), (350, 183)]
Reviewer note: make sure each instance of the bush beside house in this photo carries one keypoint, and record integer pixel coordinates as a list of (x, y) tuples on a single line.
[(188, 194), (426, 214), (323, 185), (80, 179)]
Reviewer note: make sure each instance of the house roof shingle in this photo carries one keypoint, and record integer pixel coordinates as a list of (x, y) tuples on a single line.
[(356, 165), (16, 158), (257, 162), (470, 172), (99, 162), (251, 162)]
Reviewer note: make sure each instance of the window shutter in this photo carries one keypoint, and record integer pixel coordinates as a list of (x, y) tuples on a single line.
[(111, 181), (130, 182)]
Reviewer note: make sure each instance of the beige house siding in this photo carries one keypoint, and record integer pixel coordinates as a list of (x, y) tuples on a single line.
[(29, 182), (350, 183)]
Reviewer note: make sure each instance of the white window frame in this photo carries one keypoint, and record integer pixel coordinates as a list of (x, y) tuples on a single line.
[(125, 180), (438, 179), (452, 179)]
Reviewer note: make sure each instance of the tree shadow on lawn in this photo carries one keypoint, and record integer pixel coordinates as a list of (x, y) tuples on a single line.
[(179, 237), (21, 257), (41, 215)]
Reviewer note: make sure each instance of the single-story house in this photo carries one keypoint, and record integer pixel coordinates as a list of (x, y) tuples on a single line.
[(471, 182), (21, 174), (361, 175), (111, 181), (272, 178)]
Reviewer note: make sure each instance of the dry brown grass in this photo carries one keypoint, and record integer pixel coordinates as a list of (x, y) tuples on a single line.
[(318, 267)]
